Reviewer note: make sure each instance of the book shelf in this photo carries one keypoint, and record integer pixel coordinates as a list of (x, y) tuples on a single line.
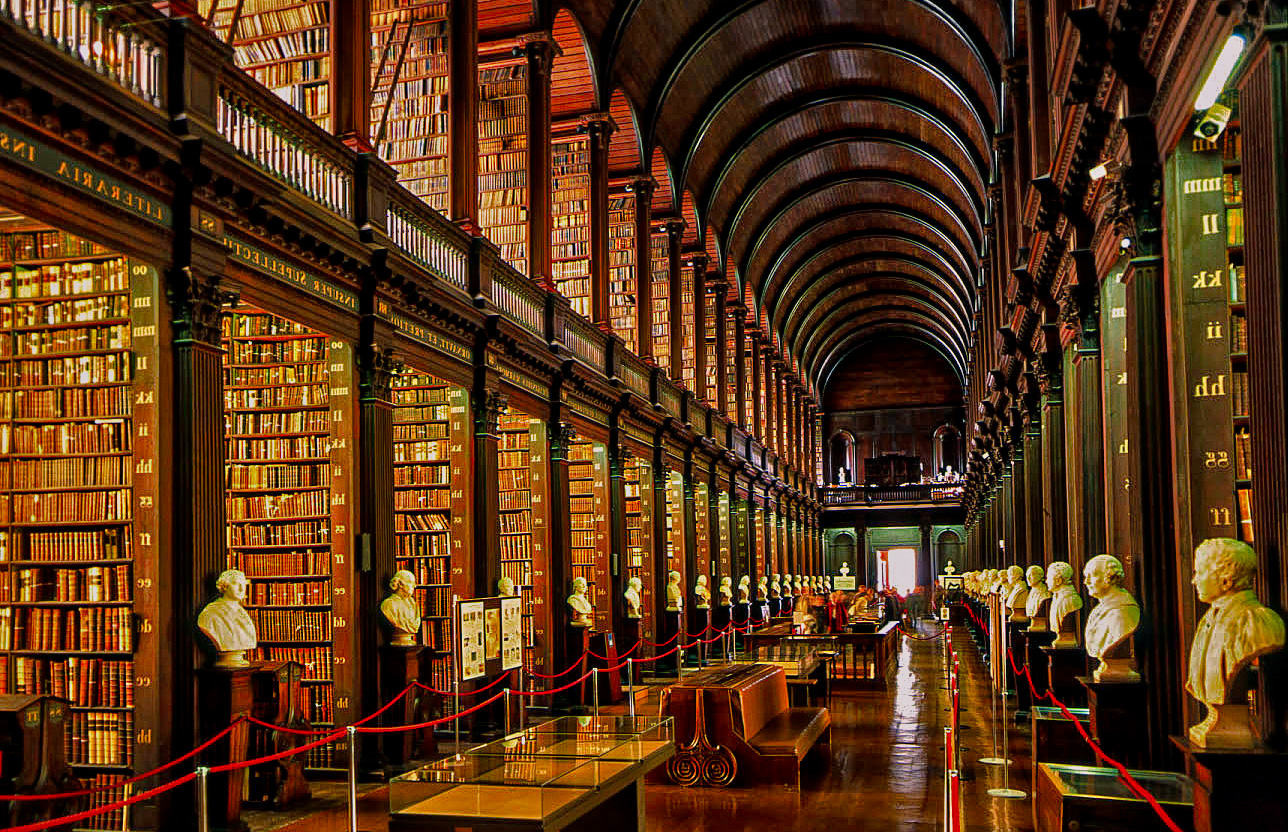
[(430, 434), (637, 487), (703, 557), (588, 523), (409, 94), (660, 273), (283, 44), (710, 346), (1232, 195), (77, 425), (522, 499), (621, 268), (503, 160), (731, 368), (287, 441), (688, 345), (570, 220), (748, 403), (674, 502), (725, 534)]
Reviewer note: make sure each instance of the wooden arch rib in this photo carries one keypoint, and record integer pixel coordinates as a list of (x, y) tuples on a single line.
[(836, 318), (886, 216), (949, 137), (666, 198), (883, 185), (858, 272), (825, 267), (879, 292), (864, 324), (834, 359), (574, 87)]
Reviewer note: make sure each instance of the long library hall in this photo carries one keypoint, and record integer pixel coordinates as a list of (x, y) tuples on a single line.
[(437, 415)]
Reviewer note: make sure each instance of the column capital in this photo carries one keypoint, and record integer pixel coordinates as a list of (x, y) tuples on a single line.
[(643, 187), (674, 226), (598, 125)]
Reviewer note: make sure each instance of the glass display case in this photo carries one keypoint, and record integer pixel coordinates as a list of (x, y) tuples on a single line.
[(546, 775), (1096, 798)]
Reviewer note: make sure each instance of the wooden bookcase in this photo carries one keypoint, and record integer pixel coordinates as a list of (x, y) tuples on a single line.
[(674, 502), (283, 44), (588, 524), (688, 354), (746, 355), (431, 431), (660, 273), (1232, 196), (725, 532), (637, 485), (503, 160), (522, 501), (288, 427), (735, 406), (711, 383), (409, 94), (570, 220), (78, 479), (621, 268), (702, 534)]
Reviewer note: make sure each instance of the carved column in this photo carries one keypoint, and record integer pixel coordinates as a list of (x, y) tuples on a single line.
[(600, 128), (1039, 550), (463, 114), (617, 457), (698, 282), (643, 188), (675, 291), (757, 426), (740, 366), (721, 291), (489, 405), (540, 51), (350, 91), (1054, 476)]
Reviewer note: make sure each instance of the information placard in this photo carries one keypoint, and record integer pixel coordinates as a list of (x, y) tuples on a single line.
[(491, 636)]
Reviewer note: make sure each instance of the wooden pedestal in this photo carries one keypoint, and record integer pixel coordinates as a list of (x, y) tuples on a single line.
[(426, 706), (610, 684), (628, 636), (721, 617), (277, 699), (672, 623), (1037, 658), (399, 667), (1015, 643), (1065, 665), (577, 642), (223, 695), (741, 613), (1056, 740), (1237, 790), (1116, 710), (775, 607), (700, 620)]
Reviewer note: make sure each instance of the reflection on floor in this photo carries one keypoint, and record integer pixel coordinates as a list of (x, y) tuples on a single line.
[(883, 771)]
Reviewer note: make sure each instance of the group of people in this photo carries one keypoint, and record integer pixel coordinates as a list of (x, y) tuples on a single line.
[(865, 603)]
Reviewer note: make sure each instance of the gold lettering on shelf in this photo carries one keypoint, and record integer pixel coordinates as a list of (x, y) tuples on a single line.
[(1208, 387)]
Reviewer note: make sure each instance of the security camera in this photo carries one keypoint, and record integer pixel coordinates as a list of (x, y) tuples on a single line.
[(1213, 122)]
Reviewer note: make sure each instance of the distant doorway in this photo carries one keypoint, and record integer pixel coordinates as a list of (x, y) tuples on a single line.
[(897, 569)]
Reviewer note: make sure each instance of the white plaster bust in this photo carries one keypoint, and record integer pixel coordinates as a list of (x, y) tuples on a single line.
[(226, 623), (776, 587), (505, 588), (1018, 596), (579, 605), (726, 591), (401, 610), (674, 595), (744, 589), (845, 569), (1235, 630), (762, 588), (634, 601), (1035, 606), (1065, 603), (703, 594), (949, 569), (1111, 624)]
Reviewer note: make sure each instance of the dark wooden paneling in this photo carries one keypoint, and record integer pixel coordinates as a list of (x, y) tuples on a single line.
[(892, 373)]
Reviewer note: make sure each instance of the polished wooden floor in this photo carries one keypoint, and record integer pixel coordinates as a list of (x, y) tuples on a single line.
[(883, 770)]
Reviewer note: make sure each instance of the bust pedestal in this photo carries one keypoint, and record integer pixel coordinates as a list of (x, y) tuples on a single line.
[(276, 699), (1015, 642), (1116, 723), (699, 621), (741, 614), (760, 613), (610, 684), (775, 607), (721, 616), (628, 635), (672, 623), (1236, 789), (223, 695), (1038, 667), (1065, 665), (399, 667), (576, 642)]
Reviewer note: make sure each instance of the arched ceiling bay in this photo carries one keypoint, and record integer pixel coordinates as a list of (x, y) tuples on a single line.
[(836, 154)]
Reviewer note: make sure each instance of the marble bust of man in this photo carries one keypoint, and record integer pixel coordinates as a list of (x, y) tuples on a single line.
[(775, 586), (1235, 630), (579, 604), (634, 601), (726, 591), (1035, 605), (762, 588), (744, 589), (702, 593), (226, 623), (505, 588), (1110, 626), (1018, 596), (1065, 603), (674, 596), (401, 610)]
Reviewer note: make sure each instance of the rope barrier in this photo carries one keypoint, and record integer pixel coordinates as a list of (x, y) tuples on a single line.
[(595, 655), (673, 637), (573, 683), (576, 663), (136, 778), (280, 755), (459, 695), (420, 726), (89, 813)]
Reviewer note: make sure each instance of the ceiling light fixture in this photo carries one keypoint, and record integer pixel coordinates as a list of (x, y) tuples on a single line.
[(1099, 172), (1222, 69)]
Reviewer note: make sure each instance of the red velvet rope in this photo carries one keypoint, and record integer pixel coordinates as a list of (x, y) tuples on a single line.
[(498, 680), (1123, 773), (673, 637), (573, 683), (89, 813), (658, 657), (290, 752), (431, 723), (576, 663)]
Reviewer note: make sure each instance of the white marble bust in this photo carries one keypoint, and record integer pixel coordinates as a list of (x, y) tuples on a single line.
[(634, 601), (776, 587), (1018, 598), (1035, 608), (226, 623), (1065, 603), (762, 588), (702, 593), (674, 595), (1235, 630), (744, 589), (401, 610), (1110, 626), (579, 604), (505, 588), (726, 591)]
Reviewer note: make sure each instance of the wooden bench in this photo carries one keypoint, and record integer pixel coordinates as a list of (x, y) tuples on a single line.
[(734, 725)]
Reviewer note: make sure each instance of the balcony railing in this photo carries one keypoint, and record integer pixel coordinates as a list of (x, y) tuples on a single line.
[(856, 495)]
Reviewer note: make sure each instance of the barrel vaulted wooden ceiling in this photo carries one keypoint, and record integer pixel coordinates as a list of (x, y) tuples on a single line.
[(832, 156)]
